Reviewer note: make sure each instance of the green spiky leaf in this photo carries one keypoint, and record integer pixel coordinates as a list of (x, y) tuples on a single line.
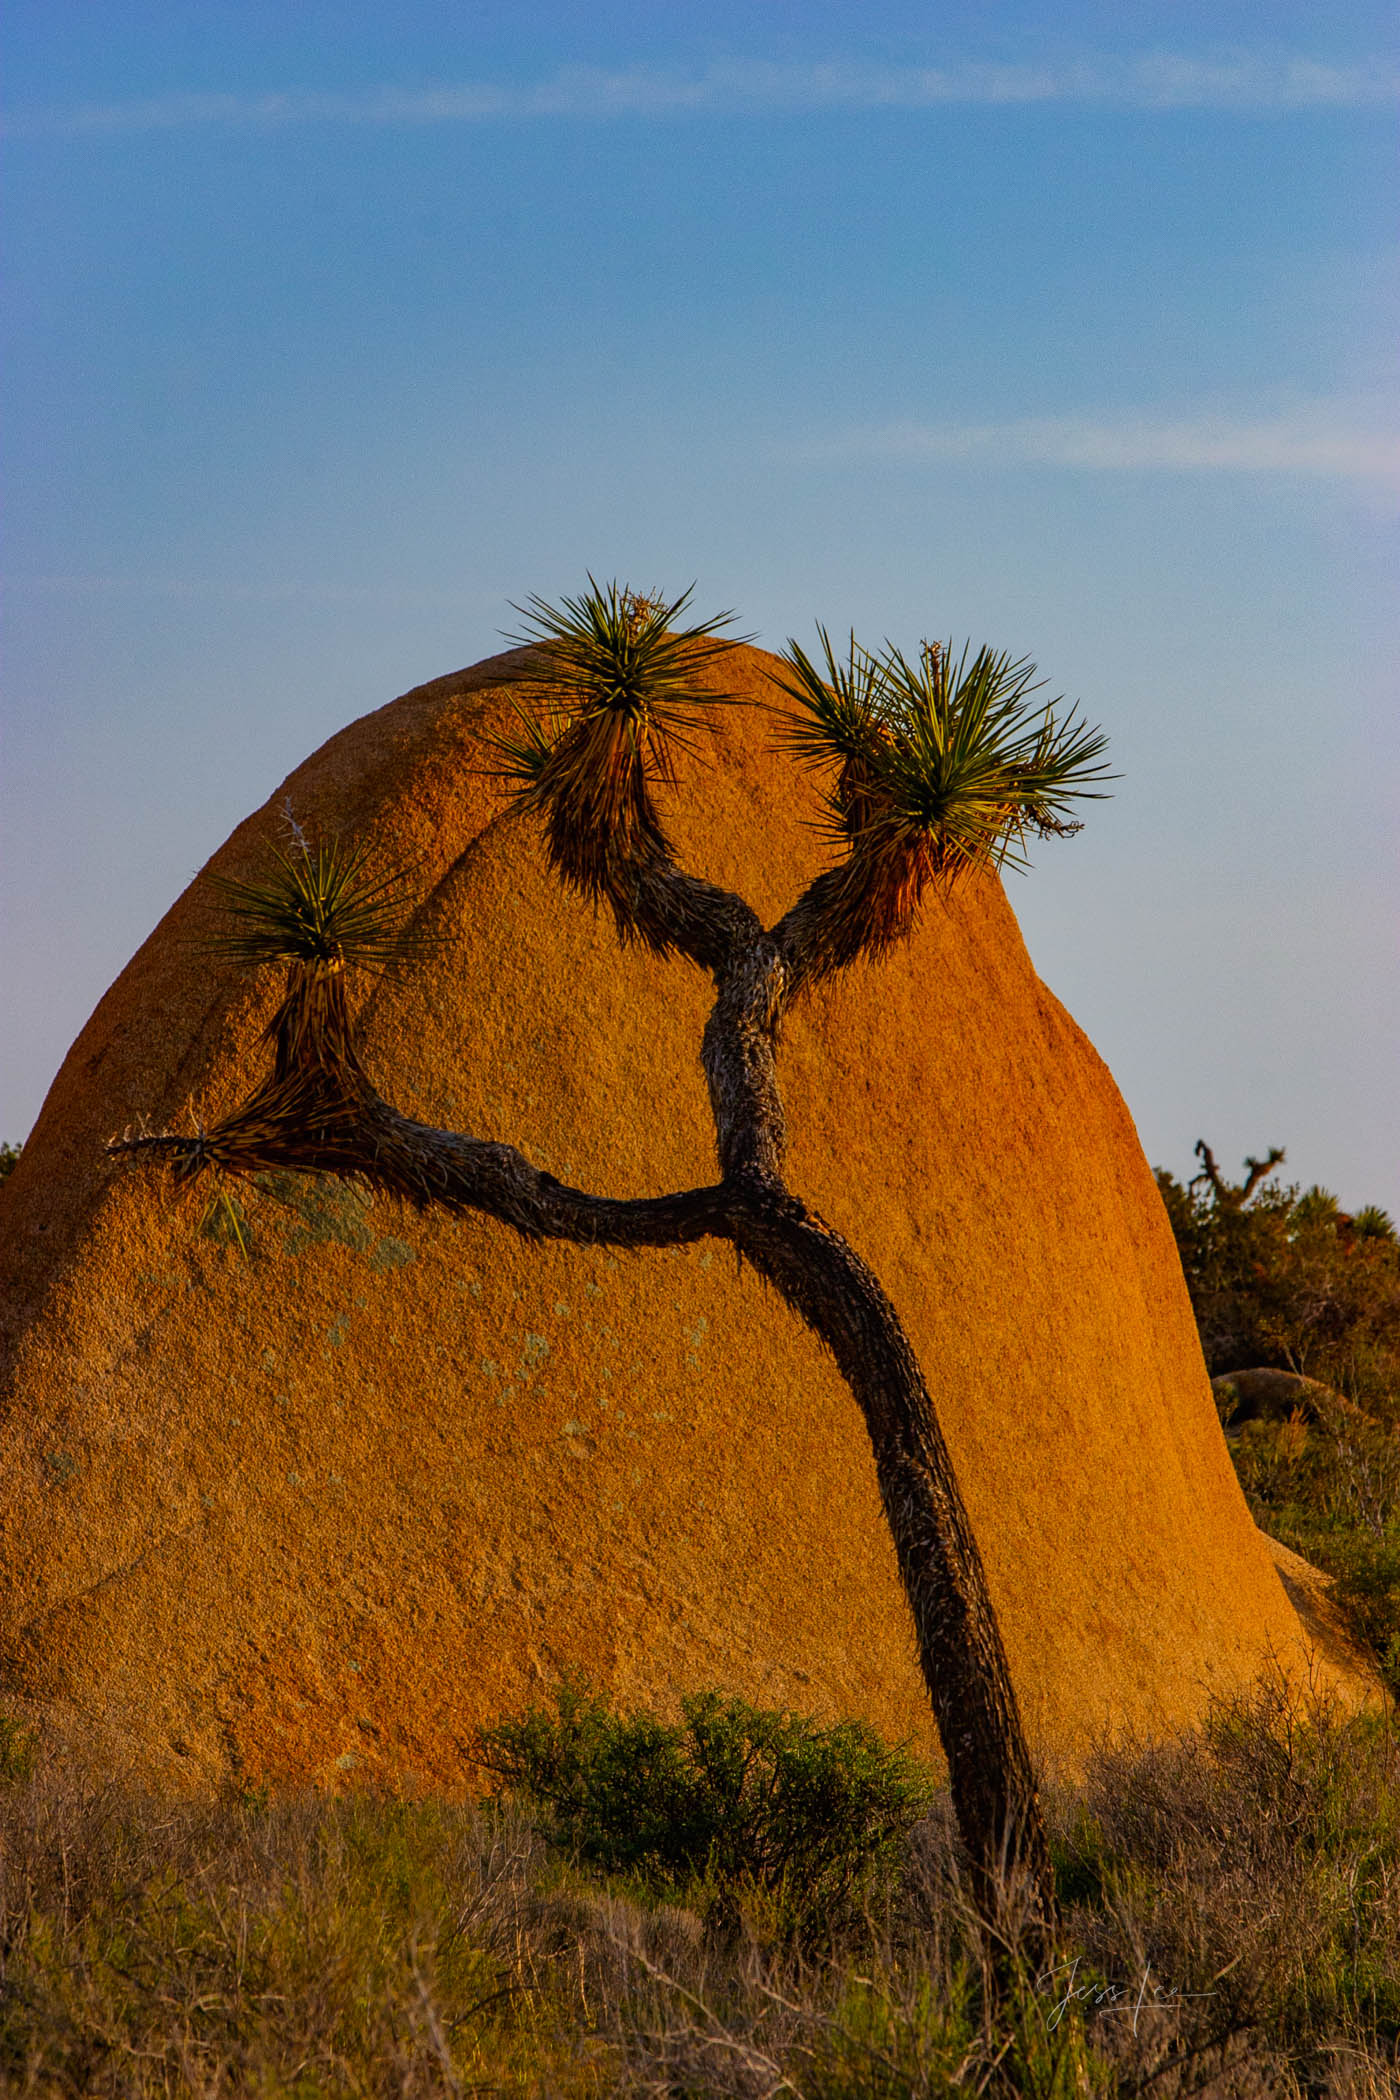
[(330, 903), (838, 709), (615, 694), (940, 767), (972, 761), (614, 655), (612, 696)]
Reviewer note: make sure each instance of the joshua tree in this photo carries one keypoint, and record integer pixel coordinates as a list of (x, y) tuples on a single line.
[(932, 768)]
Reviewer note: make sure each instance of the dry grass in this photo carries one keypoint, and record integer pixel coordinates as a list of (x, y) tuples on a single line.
[(1231, 1927)]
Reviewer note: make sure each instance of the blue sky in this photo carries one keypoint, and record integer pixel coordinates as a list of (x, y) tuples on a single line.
[(330, 331)]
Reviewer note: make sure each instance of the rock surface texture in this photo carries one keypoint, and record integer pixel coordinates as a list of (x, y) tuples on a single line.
[(317, 1510)]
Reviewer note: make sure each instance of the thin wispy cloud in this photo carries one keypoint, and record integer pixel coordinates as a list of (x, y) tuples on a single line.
[(1318, 443), (1152, 81)]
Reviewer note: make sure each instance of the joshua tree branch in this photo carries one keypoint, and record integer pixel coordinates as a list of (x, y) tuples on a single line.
[(440, 1168), (832, 924), (654, 901), (1258, 1170), (1210, 1172), (320, 1114), (739, 1057)]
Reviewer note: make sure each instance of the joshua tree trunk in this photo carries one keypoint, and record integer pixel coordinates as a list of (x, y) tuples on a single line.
[(960, 1648), (319, 1113)]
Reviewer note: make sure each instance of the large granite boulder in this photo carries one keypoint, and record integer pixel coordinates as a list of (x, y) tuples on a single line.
[(318, 1508)]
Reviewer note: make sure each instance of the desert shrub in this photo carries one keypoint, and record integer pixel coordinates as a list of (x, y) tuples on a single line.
[(1281, 1276), (305, 1947), (1284, 1278), (1231, 1928), (1249, 1874), (731, 1795), (1330, 1489), (17, 1751), (1366, 1584)]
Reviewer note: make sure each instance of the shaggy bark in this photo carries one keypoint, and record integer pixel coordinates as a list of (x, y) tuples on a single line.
[(961, 1654), (318, 1112)]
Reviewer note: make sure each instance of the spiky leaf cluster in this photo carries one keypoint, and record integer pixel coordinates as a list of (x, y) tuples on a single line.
[(328, 903), (614, 697), (940, 766)]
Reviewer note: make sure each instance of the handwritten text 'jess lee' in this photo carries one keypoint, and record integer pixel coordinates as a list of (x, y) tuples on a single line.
[(1064, 1984)]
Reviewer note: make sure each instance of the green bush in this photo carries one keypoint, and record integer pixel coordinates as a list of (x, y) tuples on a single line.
[(732, 1795), (17, 1751), (1330, 1490), (9, 1159), (1283, 1277)]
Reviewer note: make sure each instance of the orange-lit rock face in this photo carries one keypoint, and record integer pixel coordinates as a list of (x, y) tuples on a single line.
[(321, 1511)]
